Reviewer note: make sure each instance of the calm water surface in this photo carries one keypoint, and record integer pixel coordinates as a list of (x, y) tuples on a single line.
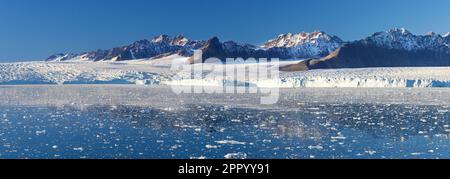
[(152, 122)]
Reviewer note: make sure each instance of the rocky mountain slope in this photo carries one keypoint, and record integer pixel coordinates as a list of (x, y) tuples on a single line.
[(394, 48), (304, 45), (142, 49), (289, 46)]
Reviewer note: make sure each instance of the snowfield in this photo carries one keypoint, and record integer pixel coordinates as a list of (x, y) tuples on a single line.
[(158, 72), (74, 73), (422, 77)]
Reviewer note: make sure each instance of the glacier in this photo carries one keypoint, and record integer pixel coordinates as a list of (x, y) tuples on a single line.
[(157, 72), (59, 73)]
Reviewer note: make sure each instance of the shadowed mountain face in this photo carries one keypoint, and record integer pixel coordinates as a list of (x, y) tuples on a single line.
[(303, 45), (221, 51), (358, 55), (212, 48), (395, 48), (159, 46)]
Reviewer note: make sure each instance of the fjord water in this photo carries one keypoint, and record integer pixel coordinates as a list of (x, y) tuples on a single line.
[(114, 121)]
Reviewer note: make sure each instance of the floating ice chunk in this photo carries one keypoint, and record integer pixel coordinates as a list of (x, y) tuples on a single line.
[(140, 82), (40, 132), (78, 149), (317, 147), (238, 155), (231, 142), (212, 146), (338, 138), (200, 158)]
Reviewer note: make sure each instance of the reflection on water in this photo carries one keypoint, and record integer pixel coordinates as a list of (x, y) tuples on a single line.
[(294, 128)]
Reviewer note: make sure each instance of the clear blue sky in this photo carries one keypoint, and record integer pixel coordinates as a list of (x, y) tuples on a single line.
[(35, 29)]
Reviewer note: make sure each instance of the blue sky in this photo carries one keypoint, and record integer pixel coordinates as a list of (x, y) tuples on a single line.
[(35, 29)]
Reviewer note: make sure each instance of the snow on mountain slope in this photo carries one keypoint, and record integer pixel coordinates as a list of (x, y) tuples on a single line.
[(160, 45), (286, 46), (306, 45), (447, 39), (402, 39)]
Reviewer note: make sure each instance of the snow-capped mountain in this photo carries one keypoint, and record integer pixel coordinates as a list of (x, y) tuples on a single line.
[(213, 48), (239, 48), (142, 49), (394, 48), (316, 44), (61, 57), (447, 39), (287, 46), (304, 45), (402, 39)]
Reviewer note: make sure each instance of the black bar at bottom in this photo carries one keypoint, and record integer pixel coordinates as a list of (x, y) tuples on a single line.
[(210, 168)]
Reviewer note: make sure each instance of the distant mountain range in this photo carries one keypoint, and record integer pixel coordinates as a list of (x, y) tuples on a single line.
[(142, 49), (394, 48), (286, 46)]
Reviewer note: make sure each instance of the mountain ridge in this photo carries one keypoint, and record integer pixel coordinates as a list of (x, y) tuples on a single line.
[(393, 48), (316, 46), (321, 50)]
